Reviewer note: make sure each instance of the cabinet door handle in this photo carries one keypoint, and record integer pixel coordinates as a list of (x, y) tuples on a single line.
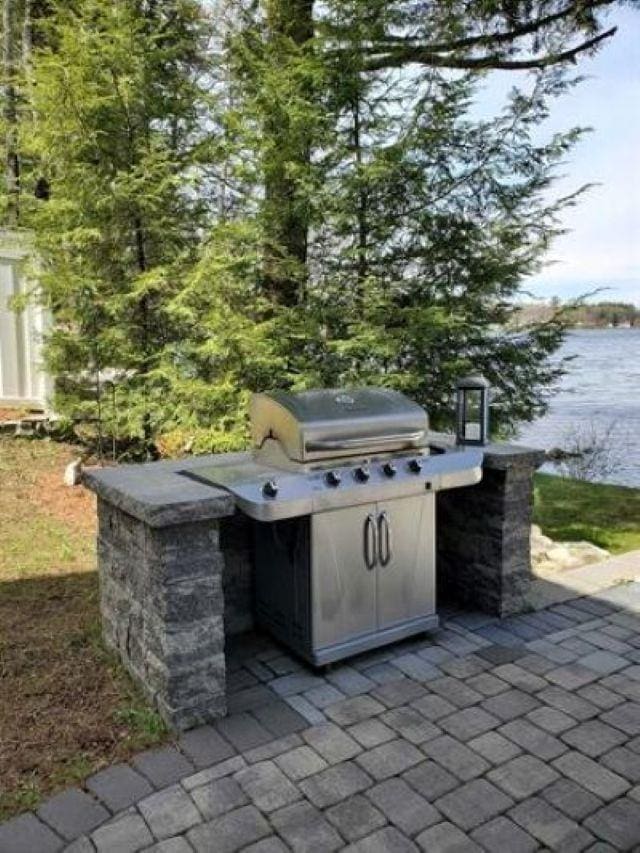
[(384, 538), (370, 542)]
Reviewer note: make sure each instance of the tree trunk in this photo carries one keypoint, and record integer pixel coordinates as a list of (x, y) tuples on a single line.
[(10, 111), (286, 215)]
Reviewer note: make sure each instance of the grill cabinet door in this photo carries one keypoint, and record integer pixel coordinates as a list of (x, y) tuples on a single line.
[(406, 584), (343, 587)]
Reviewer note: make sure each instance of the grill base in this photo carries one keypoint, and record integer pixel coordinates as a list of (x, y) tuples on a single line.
[(318, 592)]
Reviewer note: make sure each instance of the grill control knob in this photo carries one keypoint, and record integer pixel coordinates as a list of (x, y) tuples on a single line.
[(333, 478), (362, 474), (389, 469), (415, 466), (270, 489)]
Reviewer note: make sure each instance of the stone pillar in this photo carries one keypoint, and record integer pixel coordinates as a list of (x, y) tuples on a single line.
[(484, 551), (162, 610)]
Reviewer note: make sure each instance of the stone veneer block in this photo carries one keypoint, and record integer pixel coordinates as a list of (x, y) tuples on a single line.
[(484, 533)]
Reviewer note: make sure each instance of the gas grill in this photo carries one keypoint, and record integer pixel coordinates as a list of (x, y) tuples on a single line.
[(341, 486)]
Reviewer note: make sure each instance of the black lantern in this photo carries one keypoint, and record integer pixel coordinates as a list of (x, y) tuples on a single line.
[(472, 410)]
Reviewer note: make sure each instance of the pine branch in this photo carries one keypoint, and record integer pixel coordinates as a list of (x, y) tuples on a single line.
[(425, 56)]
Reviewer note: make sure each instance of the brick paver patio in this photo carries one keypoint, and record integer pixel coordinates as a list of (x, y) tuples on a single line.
[(507, 736)]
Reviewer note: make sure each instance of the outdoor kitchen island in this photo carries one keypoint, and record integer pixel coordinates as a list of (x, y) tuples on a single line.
[(177, 560)]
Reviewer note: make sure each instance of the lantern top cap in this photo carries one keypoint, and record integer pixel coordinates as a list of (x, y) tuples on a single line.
[(475, 381)]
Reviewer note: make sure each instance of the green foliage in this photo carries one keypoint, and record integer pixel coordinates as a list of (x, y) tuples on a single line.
[(572, 510), (290, 194)]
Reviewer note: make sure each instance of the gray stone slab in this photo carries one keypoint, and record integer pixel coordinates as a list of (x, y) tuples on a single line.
[(267, 786), (403, 806), (502, 835), (494, 747), (300, 762), (334, 784), (623, 761), (302, 706), (456, 757), (572, 799), (371, 732), (625, 717), (431, 780), (127, 834), (157, 494), (618, 823), (551, 720), (523, 776), (410, 724), (305, 829), (533, 740), (169, 812), (510, 704), (433, 707), (81, 845), (224, 768), (350, 681), (243, 731), (324, 695), (119, 786), (271, 844), (455, 691), (466, 667), (593, 738), (498, 653), (603, 662), (550, 826), (519, 677), (572, 676), (473, 804), (398, 692), (177, 844), (445, 837), (387, 840), (333, 744), (163, 766), (218, 797), (487, 684), (469, 723), (416, 667), (233, 831), (591, 775), (249, 698), (569, 703), (72, 813), (356, 817), (272, 749), (204, 746), (27, 834), (296, 682), (389, 759), (353, 710), (600, 696), (280, 719)]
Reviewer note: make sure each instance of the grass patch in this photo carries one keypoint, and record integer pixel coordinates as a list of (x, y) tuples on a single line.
[(571, 510), (67, 707)]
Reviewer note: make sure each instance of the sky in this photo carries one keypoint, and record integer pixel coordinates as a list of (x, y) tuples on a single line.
[(602, 249)]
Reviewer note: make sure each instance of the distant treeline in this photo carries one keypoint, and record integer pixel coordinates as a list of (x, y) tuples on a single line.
[(593, 315)]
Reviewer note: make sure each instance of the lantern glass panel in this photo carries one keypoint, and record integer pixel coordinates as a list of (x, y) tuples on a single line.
[(473, 415)]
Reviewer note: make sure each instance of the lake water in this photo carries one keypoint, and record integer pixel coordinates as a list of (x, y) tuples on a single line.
[(602, 388)]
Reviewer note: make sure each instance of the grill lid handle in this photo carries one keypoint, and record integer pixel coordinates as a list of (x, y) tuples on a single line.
[(411, 438)]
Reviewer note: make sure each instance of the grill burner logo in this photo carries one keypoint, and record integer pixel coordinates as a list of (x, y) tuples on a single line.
[(345, 400)]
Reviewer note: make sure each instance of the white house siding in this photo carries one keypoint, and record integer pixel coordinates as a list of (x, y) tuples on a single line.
[(22, 379)]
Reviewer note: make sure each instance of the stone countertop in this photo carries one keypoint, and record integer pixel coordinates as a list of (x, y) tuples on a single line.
[(497, 455), (159, 494)]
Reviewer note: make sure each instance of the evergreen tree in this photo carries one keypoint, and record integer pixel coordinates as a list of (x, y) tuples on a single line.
[(117, 103)]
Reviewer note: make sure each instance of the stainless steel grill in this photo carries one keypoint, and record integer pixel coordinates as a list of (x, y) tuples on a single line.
[(342, 487)]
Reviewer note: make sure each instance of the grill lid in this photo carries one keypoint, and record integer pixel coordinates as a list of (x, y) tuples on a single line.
[(331, 423)]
